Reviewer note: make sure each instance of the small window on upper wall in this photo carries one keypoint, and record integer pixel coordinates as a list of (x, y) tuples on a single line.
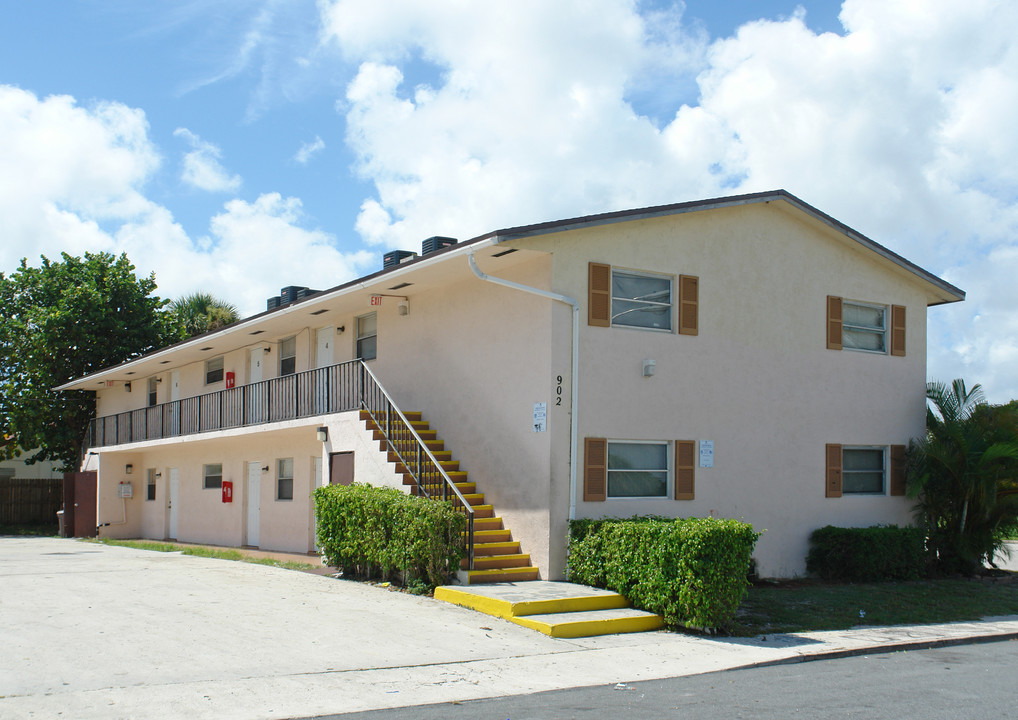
[(213, 476), (288, 356), (213, 370), (641, 300), (367, 337), (864, 327), (150, 484), (284, 479), (637, 469), (152, 395)]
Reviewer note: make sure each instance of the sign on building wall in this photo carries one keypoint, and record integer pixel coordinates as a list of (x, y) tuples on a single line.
[(706, 453), (540, 416)]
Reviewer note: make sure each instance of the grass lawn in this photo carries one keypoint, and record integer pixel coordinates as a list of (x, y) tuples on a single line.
[(202, 551), (807, 605)]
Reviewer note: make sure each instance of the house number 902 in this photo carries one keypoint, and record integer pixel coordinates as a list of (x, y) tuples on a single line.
[(558, 390)]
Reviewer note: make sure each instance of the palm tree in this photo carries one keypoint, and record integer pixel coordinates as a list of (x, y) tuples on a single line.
[(201, 312), (964, 475)]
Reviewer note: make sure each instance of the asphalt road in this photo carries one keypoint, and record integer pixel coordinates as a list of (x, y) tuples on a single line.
[(971, 681)]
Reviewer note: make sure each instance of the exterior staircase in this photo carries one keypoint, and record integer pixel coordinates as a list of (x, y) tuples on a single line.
[(497, 557)]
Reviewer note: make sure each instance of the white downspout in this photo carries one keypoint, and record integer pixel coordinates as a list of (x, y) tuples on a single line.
[(574, 370)]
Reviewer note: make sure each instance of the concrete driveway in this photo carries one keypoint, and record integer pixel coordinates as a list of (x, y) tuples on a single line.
[(90, 631)]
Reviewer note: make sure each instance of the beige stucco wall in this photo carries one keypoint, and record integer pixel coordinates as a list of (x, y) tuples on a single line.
[(474, 357), (757, 379), (285, 525)]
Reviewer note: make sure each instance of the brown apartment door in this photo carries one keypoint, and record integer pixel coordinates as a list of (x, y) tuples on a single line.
[(85, 490), (341, 468)]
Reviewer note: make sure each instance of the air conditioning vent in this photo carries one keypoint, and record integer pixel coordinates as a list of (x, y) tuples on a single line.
[(397, 257), (436, 243)]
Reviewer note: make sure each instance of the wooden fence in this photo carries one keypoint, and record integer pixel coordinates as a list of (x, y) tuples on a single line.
[(30, 501)]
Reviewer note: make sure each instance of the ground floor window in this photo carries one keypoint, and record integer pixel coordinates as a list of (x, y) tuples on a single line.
[(213, 474), (863, 470), (284, 479), (150, 484), (637, 469)]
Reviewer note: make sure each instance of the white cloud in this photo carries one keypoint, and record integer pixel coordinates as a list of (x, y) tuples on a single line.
[(202, 168), (309, 150), (73, 181), (900, 127)]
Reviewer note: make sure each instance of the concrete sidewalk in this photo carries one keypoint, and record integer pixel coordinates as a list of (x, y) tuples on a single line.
[(90, 631)]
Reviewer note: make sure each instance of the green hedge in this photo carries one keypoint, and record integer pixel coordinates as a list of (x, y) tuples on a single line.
[(881, 552), (361, 528), (690, 571)]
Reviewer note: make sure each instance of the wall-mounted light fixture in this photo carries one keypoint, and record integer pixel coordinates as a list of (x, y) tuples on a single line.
[(341, 329), (129, 468), (649, 366), (404, 307), (127, 386), (158, 474), (323, 434), (159, 379), (265, 469)]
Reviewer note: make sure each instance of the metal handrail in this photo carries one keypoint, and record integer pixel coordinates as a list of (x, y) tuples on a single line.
[(415, 466)]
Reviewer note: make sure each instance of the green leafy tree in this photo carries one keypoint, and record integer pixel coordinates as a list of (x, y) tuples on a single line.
[(964, 476), (201, 312), (61, 321)]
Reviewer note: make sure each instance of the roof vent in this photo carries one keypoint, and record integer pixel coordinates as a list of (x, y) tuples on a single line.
[(397, 257), (433, 244)]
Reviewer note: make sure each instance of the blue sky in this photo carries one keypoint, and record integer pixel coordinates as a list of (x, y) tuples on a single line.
[(202, 137)]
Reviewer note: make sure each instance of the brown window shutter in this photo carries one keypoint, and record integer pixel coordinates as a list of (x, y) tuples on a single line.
[(599, 295), (898, 330), (897, 469), (833, 323), (685, 464), (595, 469), (689, 302), (833, 471)]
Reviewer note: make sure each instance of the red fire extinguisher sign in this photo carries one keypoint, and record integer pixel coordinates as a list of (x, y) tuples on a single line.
[(227, 491)]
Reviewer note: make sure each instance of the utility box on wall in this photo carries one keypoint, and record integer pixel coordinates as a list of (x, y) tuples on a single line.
[(231, 379), (227, 491)]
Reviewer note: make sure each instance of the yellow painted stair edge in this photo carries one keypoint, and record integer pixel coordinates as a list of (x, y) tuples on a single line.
[(513, 611), (587, 628)]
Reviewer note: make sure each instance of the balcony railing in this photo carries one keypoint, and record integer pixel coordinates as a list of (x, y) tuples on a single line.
[(332, 389)]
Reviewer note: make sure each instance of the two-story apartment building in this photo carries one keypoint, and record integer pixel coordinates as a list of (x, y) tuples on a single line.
[(745, 357)]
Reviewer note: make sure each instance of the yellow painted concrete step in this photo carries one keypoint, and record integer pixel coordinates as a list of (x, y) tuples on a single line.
[(496, 548), (591, 623), (501, 575), (492, 562)]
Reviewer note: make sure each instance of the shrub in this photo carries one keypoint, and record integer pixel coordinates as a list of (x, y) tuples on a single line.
[(690, 571), (361, 528), (881, 552)]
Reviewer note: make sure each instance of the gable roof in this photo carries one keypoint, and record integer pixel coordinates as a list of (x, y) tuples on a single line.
[(376, 282)]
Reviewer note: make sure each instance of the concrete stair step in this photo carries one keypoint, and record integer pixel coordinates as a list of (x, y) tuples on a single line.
[(486, 523), (503, 547), (408, 414), (500, 575), (492, 535), (591, 623), (492, 562)]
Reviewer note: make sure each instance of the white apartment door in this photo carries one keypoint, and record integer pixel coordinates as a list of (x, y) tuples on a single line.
[(174, 410), (252, 501), (257, 355), (173, 502), (175, 385), (323, 353)]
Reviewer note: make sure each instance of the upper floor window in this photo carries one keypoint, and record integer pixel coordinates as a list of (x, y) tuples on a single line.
[(288, 356), (641, 300), (863, 326), (367, 337), (152, 395), (629, 298), (213, 370), (869, 327)]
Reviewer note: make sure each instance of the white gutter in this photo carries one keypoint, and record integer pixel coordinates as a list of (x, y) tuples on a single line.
[(574, 373)]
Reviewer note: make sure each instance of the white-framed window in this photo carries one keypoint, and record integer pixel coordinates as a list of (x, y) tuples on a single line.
[(864, 326), (213, 370), (213, 476), (864, 470), (284, 479), (642, 300), (288, 356), (367, 337), (150, 484), (153, 384), (638, 469)]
